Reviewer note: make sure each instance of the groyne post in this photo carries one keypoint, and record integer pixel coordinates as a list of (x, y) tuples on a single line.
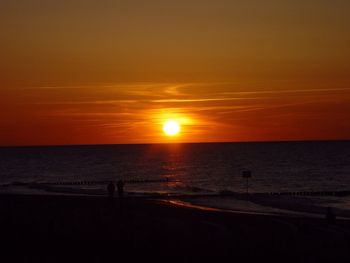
[(247, 174)]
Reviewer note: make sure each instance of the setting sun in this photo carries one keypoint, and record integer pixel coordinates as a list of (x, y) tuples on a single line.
[(171, 128)]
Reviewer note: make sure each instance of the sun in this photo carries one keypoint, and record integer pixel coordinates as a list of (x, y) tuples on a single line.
[(171, 128)]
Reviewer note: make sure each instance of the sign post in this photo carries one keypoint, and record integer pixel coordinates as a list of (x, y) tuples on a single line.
[(247, 174)]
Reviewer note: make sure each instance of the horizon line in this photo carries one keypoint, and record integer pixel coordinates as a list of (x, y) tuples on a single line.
[(171, 143)]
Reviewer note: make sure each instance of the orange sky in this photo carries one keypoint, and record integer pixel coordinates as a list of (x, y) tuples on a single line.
[(89, 72)]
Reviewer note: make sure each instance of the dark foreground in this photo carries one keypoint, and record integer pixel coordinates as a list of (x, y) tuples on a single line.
[(83, 228)]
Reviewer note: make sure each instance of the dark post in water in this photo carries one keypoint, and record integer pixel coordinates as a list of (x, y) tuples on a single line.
[(247, 174)]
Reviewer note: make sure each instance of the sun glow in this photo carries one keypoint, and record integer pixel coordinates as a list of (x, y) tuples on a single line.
[(171, 128)]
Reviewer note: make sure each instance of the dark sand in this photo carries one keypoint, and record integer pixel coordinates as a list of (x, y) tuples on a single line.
[(52, 228)]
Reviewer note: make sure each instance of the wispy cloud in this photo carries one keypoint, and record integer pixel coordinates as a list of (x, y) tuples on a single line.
[(285, 91), (199, 100), (137, 110)]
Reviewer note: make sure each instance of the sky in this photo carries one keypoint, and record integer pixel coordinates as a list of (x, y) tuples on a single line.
[(107, 72)]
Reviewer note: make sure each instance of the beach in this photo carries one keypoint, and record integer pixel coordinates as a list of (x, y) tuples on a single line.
[(161, 227)]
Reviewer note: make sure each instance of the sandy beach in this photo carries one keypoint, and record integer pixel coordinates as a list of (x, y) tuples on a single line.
[(166, 228)]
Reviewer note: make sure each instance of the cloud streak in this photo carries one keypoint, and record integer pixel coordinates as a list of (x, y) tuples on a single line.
[(134, 112)]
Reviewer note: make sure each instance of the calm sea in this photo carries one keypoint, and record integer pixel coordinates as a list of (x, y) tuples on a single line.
[(189, 168)]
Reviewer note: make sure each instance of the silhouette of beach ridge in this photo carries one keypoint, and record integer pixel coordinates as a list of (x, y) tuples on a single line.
[(134, 224)]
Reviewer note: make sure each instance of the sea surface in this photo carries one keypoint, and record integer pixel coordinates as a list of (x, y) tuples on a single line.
[(199, 168)]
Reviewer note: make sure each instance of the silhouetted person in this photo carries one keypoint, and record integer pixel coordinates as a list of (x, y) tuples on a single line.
[(330, 216), (120, 186), (111, 189)]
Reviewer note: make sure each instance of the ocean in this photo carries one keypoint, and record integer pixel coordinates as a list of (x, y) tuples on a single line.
[(185, 168)]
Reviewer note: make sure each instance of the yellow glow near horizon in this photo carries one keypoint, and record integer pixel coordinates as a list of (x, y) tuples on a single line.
[(171, 128)]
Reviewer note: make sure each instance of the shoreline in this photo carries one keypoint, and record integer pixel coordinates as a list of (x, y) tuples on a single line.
[(255, 203), (182, 203)]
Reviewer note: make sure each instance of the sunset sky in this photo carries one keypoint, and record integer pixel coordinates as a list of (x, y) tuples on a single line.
[(91, 72)]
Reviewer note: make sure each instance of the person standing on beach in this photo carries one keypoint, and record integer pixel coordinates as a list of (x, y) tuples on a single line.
[(111, 189), (120, 186)]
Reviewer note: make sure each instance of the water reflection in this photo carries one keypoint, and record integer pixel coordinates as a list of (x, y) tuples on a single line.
[(173, 169)]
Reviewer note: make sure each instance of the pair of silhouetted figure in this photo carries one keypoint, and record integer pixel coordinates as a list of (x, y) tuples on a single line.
[(111, 189)]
